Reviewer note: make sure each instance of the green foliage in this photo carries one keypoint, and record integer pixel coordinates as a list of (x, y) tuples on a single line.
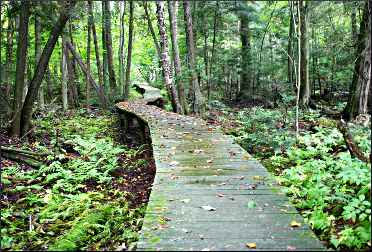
[(331, 189), (73, 202)]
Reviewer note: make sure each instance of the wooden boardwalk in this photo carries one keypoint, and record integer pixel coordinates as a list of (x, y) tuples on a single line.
[(209, 194)]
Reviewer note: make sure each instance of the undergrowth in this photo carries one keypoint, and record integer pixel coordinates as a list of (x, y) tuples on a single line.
[(331, 189), (74, 202)]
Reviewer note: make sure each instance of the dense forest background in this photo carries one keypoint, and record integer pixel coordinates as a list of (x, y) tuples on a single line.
[(286, 78)]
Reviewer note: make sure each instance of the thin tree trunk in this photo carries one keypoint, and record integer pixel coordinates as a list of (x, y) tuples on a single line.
[(151, 28), (38, 31), (83, 67), (96, 48), (9, 56), (104, 48), (304, 68), (245, 76), (110, 62), (20, 67), (72, 74), (87, 90), (122, 5), (129, 54), (64, 73), (197, 100), (290, 49), (41, 67), (211, 64), (172, 10), (172, 91)]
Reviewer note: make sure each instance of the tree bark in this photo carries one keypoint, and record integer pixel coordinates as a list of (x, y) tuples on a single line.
[(38, 31), (96, 48), (304, 68), (20, 67), (122, 6), (359, 95), (151, 29), (83, 67), (129, 54), (211, 64), (9, 55), (110, 63), (104, 48), (245, 74), (42, 65), (172, 11), (197, 100), (172, 91), (87, 89), (290, 49), (64, 73)]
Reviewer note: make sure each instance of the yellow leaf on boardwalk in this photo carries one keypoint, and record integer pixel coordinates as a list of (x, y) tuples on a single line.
[(295, 224), (251, 245)]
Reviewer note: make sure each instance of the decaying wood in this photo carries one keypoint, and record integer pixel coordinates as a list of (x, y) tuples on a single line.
[(351, 145)]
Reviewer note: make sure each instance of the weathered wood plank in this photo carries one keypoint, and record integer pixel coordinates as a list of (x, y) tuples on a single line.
[(197, 165)]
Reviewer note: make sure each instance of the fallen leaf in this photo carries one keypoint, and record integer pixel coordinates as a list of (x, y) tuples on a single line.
[(173, 163), (295, 224), (209, 161), (206, 249), (220, 195), (185, 200), (251, 245), (208, 208), (198, 151), (291, 248)]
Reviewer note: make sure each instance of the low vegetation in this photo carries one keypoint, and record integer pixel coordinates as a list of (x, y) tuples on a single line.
[(79, 199), (330, 188)]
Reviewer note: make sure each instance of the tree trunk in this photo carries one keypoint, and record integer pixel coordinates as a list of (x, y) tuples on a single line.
[(172, 91), (38, 31), (64, 73), (104, 48), (9, 55), (151, 28), (110, 63), (20, 67), (197, 100), (42, 65), (211, 64), (290, 49), (96, 48), (359, 93), (129, 54), (87, 89), (172, 10), (83, 67), (304, 68), (121, 46), (245, 74)]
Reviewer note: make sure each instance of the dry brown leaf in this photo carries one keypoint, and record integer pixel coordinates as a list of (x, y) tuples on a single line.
[(251, 245), (295, 224)]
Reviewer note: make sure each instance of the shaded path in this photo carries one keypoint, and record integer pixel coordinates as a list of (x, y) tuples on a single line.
[(209, 194)]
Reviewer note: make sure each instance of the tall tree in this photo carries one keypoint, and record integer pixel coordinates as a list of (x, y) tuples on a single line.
[(38, 31), (96, 48), (360, 96), (129, 54), (87, 89), (290, 49), (108, 44), (122, 5), (20, 67), (42, 65), (304, 66), (9, 53), (197, 100), (172, 91), (151, 29), (64, 73), (211, 64), (172, 11), (245, 74)]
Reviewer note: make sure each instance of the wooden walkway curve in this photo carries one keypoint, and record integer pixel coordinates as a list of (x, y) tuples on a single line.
[(209, 194)]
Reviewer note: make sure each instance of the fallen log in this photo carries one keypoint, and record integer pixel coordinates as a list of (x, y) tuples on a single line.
[(30, 158), (353, 148)]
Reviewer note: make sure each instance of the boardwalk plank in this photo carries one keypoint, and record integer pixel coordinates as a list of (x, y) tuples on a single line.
[(197, 165)]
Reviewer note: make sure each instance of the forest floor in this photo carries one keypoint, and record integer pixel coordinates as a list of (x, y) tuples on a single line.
[(328, 187), (89, 194)]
